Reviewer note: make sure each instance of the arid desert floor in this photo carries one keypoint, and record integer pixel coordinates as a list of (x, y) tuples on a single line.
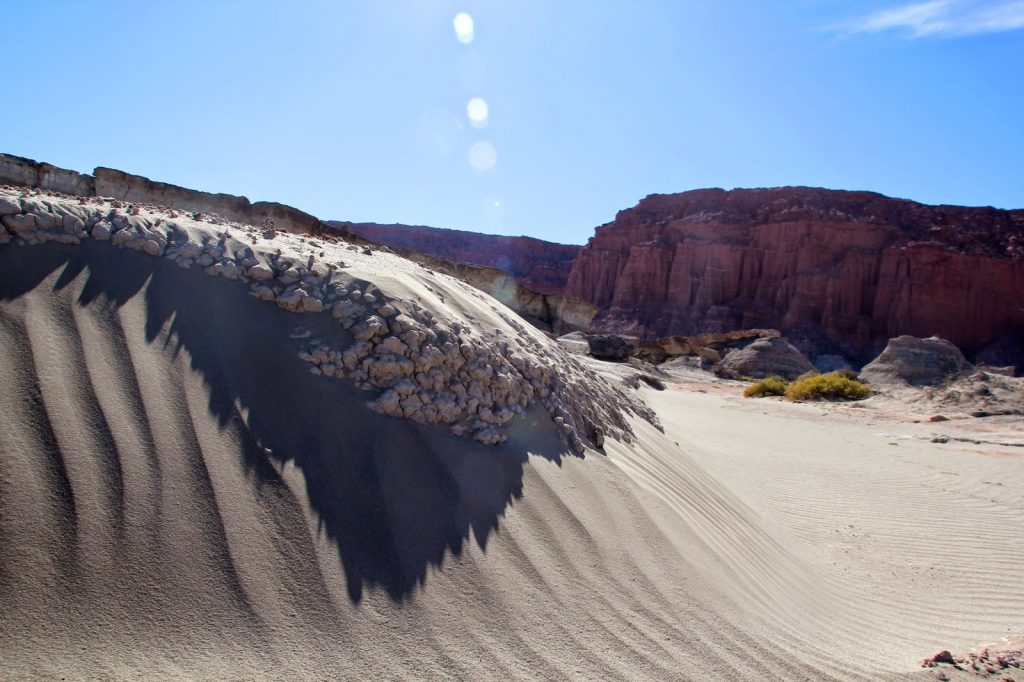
[(182, 497)]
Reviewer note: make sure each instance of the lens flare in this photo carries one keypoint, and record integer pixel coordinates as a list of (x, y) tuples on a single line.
[(463, 28), (482, 156), (478, 112)]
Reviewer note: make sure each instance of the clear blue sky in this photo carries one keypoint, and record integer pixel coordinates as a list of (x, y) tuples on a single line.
[(358, 110)]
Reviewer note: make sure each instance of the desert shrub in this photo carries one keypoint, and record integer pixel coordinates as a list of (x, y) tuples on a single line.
[(767, 386), (831, 386)]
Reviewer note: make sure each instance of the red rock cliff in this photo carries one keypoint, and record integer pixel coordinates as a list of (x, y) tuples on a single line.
[(536, 264), (850, 269)]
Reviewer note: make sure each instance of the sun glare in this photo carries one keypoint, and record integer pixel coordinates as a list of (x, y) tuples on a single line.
[(482, 156), (464, 28), (478, 112)]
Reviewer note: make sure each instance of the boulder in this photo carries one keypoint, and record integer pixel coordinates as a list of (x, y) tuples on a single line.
[(908, 360), (766, 357), (611, 346), (9, 207)]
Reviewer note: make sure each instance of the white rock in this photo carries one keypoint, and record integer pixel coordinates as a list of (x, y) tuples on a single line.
[(392, 344), (192, 250), (101, 232), (289, 276), (8, 207), (264, 293), (261, 272), (73, 223), (311, 304), (344, 310), (231, 270), (19, 224), (369, 328), (152, 247)]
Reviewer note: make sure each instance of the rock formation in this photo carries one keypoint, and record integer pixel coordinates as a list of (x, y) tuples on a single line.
[(833, 270), (115, 184), (916, 362), (535, 264), (443, 366), (764, 358)]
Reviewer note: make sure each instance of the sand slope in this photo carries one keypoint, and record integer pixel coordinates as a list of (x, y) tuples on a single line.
[(181, 498)]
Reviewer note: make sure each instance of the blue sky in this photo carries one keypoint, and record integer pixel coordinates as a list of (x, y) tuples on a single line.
[(358, 110)]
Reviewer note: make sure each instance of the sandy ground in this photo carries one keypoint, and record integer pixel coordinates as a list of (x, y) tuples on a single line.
[(181, 498)]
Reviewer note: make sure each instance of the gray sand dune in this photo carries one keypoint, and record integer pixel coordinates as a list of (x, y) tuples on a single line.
[(181, 498)]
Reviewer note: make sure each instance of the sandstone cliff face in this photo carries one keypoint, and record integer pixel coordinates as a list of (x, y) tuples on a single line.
[(536, 264), (832, 268)]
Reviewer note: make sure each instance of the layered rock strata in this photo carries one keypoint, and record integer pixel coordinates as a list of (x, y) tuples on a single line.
[(830, 269), (426, 346), (115, 184)]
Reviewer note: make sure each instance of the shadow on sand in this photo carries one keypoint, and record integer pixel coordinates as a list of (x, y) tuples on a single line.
[(394, 496)]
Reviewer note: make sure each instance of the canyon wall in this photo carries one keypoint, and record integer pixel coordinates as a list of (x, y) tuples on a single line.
[(833, 270), (536, 264), (107, 182)]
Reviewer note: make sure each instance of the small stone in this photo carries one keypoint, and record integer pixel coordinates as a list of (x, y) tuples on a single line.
[(152, 247), (311, 304), (938, 418), (191, 250), (101, 232), (73, 223), (231, 270), (261, 272)]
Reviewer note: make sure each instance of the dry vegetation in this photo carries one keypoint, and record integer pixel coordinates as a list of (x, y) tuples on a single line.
[(831, 386)]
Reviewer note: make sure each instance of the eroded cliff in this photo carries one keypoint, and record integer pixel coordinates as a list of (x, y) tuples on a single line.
[(846, 270), (108, 182)]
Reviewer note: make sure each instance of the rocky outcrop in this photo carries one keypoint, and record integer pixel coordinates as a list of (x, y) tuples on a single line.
[(108, 182), (916, 362), (533, 263), (833, 270), (764, 358), (524, 259), (659, 350), (399, 331), (15, 170)]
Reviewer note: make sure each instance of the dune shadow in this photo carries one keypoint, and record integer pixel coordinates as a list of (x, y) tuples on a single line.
[(396, 497)]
